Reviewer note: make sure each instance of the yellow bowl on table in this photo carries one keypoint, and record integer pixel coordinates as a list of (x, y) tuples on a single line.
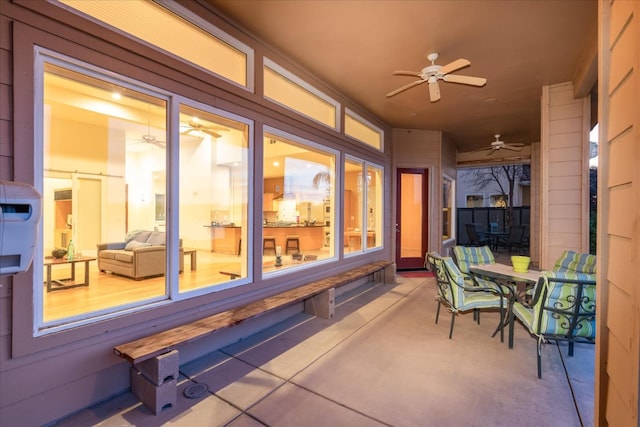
[(520, 263)]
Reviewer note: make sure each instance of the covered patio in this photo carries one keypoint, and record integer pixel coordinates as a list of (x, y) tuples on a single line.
[(383, 361)]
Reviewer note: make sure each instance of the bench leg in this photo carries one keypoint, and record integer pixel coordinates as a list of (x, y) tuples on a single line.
[(390, 274), (154, 397), (322, 305), (155, 381)]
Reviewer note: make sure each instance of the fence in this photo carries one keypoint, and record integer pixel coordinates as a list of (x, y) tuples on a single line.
[(484, 217)]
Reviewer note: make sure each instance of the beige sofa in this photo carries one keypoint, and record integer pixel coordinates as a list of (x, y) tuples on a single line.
[(142, 254)]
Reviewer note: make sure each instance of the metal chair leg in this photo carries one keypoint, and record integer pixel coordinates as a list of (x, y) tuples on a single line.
[(540, 358), (453, 319), (438, 312)]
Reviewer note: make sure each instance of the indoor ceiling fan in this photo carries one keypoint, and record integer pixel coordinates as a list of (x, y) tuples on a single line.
[(432, 73), (195, 125), (149, 139), (500, 145)]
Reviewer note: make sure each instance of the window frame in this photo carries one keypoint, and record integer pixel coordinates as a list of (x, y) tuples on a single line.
[(268, 129)]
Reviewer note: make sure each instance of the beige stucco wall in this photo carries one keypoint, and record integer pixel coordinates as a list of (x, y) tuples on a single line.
[(618, 344)]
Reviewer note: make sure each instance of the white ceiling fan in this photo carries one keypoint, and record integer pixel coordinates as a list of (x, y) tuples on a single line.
[(498, 145), (149, 139), (195, 125), (432, 73)]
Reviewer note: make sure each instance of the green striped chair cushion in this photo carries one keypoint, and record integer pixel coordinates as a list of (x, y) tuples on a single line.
[(468, 255), (562, 297), (465, 300), (576, 262)]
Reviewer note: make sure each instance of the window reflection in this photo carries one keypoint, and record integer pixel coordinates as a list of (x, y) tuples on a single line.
[(106, 191), (362, 206), (104, 166), (214, 195), (354, 190), (374, 206), (298, 203)]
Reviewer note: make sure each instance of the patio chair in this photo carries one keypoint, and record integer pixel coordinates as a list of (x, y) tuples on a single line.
[(459, 297), (474, 239), (514, 241), (563, 308), (466, 256)]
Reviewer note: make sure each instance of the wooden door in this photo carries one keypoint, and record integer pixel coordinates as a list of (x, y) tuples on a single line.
[(412, 218)]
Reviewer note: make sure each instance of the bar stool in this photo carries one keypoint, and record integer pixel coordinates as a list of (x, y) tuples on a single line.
[(268, 244), (293, 243)]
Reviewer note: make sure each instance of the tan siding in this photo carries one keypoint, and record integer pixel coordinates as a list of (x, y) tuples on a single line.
[(564, 173), (618, 319), (621, 210), (567, 212), (618, 346), (621, 153), (619, 271), (565, 182), (617, 371)]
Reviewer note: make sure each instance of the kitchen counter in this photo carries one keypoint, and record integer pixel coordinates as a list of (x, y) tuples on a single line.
[(293, 226), (311, 236), (225, 239)]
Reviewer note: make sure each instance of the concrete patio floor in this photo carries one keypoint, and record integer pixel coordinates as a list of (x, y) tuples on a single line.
[(381, 362)]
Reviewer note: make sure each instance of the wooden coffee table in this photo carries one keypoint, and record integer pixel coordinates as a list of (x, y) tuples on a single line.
[(69, 282)]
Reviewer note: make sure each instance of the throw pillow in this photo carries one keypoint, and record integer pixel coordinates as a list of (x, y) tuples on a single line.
[(135, 244), (157, 238)]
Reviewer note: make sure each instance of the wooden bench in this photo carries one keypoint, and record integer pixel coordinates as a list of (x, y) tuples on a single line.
[(155, 361)]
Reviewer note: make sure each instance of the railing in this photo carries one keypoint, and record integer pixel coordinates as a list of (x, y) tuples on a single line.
[(487, 218)]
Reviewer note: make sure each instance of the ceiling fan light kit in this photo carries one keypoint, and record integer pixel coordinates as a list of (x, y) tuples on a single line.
[(432, 73)]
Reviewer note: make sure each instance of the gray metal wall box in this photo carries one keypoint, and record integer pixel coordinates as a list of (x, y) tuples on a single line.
[(20, 211)]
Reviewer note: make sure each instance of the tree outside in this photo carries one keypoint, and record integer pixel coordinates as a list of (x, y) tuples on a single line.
[(503, 177)]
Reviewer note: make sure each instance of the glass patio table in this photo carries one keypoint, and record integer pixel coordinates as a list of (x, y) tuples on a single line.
[(506, 276)]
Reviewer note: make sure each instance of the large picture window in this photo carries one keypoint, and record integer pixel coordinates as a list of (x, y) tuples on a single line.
[(298, 202), (109, 240)]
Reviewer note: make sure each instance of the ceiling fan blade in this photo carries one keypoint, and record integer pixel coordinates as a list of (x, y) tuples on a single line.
[(491, 151), (434, 91), (406, 73), (455, 65), (511, 147), (467, 80), (482, 149), (405, 87), (213, 134)]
